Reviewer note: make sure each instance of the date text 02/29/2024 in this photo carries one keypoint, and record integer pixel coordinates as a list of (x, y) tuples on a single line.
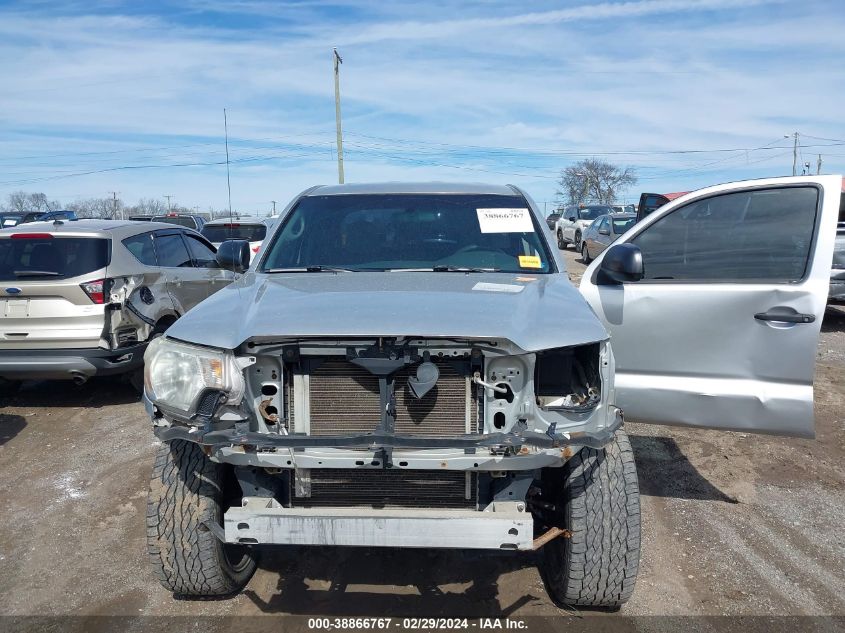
[(327, 624)]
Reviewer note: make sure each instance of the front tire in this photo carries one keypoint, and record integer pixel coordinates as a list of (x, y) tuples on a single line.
[(598, 501), (186, 490), (561, 244), (577, 241), (585, 253)]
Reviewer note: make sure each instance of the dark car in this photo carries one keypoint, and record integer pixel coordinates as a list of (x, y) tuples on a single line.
[(604, 230), (650, 202), (553, 217), (13, 218), (195, 222), (141, 218)]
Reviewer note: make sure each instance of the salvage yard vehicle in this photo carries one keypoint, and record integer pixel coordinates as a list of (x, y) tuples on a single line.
[(187, 220), (83, 298), (604, 230), (13, 218), (650, 202), (409, 366), (575, 219), (253, 230)]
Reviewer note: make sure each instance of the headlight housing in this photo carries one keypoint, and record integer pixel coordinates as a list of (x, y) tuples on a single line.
[(175, 374)]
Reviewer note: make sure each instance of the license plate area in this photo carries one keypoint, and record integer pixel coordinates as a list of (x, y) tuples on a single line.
[(16, 308)]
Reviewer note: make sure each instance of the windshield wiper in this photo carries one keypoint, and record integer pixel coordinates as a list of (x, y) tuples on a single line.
[(463, 269), (309, 269), (36, 273)]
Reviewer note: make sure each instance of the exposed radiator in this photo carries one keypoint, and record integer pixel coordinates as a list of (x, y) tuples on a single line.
[(344, 399), (389, 488)]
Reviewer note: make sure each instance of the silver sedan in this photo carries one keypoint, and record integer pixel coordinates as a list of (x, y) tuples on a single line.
[(604, 230)]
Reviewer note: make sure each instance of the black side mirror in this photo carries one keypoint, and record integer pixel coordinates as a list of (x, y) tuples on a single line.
[(604, 231), (621, 263), (233, 255), (571, 218)]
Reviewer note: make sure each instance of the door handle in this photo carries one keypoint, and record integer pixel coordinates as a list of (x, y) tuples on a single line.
[(795, 317)]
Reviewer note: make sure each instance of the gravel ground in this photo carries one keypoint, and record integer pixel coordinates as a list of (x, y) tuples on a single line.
[(732, 523)]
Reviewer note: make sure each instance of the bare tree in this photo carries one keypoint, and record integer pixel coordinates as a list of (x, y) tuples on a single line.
[(594, 180), (96, 207), (24, 202), (148, 206)]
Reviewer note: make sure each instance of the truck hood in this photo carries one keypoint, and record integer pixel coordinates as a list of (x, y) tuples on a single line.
[(533, 312)]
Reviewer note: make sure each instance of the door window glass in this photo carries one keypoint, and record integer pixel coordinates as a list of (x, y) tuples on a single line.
[(203, 256), (172, 252), (763, 235), (141, 246)]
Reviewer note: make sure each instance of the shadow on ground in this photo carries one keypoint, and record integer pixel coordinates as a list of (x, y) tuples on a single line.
[(834, 319), (335, 581), (664, 471), (10, 426), (96, 393)]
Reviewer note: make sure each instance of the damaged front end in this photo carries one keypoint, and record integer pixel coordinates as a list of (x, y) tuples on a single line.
[(314, 428)]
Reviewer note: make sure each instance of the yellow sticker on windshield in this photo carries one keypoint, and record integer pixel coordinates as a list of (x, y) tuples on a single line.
[(529, 261)]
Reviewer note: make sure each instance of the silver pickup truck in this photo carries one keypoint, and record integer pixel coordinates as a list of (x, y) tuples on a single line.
[(409, 366)]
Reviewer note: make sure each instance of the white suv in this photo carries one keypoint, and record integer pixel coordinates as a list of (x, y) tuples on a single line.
[(575, 219)]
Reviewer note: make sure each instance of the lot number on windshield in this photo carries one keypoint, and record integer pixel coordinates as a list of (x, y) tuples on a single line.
[(505, 221)]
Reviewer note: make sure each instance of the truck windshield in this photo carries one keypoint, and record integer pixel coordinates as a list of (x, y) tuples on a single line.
[(448, 232), (234, 231), (181, 220)]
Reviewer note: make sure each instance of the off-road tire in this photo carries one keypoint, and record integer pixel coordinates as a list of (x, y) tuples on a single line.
[(596, 564), (585, 254), (186, 490), (561, 244)]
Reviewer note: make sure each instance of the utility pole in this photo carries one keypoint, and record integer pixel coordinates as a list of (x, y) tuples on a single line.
[(337, 62), (819, 165), (274, 206), (168, 201), (794, 152), (114, 205)]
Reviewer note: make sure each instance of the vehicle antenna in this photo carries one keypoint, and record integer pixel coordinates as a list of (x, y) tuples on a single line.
[(228, 182)]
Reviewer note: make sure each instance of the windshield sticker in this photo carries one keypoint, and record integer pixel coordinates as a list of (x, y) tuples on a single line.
[(513, 288), (529, 261), (505, 221)]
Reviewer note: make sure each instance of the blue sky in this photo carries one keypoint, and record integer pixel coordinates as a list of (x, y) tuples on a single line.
[(129, 97)]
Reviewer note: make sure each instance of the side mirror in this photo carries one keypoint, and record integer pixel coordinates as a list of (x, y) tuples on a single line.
[(571, 218), (621, 263), (603, 231), (233, 255)]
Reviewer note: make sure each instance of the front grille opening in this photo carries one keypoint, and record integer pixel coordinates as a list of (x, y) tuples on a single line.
[(389, 488), (344, 399)]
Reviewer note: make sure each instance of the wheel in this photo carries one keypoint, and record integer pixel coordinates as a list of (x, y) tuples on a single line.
[(585, 254), (560, 243), (598, 501), (577, 241), (186, 490)]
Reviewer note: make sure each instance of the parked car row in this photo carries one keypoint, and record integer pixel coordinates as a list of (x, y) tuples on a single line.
[(13, 218)]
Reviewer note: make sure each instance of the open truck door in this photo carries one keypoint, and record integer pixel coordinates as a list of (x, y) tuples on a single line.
[(714, 305)]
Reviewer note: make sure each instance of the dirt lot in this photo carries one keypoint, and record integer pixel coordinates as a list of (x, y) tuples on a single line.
[(732, 523)]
